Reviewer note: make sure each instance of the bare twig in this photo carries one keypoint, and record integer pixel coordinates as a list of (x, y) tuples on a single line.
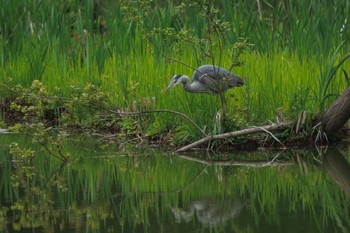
[(182, 63), (274, 137), (60, 157), (54, 174)]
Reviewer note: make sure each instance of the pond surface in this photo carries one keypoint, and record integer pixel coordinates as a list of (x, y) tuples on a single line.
[(106, 189)]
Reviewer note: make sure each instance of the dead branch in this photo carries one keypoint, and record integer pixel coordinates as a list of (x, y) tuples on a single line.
[(260, 129)]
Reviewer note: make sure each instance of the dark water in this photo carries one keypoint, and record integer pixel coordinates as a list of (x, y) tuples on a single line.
[(106, 189)]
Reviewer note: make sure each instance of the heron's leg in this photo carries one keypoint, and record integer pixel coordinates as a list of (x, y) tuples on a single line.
[(223, 105)]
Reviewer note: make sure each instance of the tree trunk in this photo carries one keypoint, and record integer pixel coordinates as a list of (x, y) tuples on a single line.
[(336, 115)]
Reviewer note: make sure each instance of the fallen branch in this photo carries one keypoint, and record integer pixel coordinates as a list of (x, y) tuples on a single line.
[(260, 129), (253, 164)]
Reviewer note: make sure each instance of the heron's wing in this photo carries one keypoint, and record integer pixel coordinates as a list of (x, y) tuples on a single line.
[(210, 70), (209, 82), (214, 77)]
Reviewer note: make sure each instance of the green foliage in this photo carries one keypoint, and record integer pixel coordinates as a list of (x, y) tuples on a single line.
[(105, 54), (40, 112), (21, 154), (22, 157), (86, 106)]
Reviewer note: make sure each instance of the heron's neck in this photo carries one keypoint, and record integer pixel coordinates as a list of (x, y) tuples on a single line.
[(194, 87), (185, 80), (190, 87)]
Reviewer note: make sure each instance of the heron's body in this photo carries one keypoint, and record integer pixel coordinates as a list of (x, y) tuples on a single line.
[(207, 79)]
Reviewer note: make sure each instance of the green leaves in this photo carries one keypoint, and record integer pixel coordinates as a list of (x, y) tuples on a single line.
[(327, 75)]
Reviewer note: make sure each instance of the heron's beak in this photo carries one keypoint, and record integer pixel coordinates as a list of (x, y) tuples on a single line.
[(172, 84), (166, 90)]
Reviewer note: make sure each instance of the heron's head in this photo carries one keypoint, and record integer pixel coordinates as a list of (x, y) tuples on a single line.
[(238, 81), (175, 80)]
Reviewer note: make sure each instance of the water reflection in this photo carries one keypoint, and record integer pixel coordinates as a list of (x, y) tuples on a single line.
[(338, 169), (210, 211), (147, 191), (4, 131)]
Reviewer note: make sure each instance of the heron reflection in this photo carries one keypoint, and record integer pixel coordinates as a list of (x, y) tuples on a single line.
[(210, 211)]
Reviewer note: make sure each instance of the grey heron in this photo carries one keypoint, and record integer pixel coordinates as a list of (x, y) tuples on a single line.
[(207, 79)]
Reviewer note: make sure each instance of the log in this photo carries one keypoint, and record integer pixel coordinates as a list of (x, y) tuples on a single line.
[(334, 117), (254, 129)]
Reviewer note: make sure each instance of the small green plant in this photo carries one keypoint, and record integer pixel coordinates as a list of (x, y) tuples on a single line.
[(85, 107)]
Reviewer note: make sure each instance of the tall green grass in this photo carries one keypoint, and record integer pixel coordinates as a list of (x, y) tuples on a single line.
[(73, 43)]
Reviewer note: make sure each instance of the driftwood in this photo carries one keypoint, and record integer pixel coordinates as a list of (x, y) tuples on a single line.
[(255, 129)]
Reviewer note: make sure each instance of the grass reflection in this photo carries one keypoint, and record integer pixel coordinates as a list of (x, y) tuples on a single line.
[(104, 190)]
